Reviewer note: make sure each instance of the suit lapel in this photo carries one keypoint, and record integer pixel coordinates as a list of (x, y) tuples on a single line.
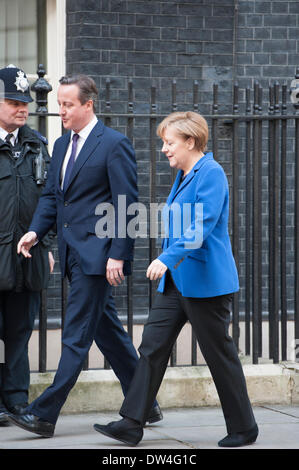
[(179, 187), (174, 187), (90, 144)]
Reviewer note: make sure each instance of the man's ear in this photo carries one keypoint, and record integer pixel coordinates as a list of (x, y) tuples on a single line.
[(89, 105)]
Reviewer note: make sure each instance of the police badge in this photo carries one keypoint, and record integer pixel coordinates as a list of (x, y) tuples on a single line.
[(21, 82)]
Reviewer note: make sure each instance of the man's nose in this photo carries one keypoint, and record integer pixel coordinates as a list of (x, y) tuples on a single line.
[(23, 107)]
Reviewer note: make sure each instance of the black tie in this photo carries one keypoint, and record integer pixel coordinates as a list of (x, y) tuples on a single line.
[(8, 139)]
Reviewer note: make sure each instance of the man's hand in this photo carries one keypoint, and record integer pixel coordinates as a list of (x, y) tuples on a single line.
[(114, 271), (26, 242), (51, 261), (156, 270)]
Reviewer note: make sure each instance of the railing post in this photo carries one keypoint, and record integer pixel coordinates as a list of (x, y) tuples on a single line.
[(195, 96), (215, 122), (41, 87), (256, 232), (193, 336), (42, 336), (273, 232), (248, 219), (174, 107), (271, 152), (283, 224), (235, 210), (108, 103), (130, 125), (153, 172), (295, 101), (108, 124)]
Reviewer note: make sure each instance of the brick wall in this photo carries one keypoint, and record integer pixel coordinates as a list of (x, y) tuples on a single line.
[(267, 50), (154, 42), (267, 46)]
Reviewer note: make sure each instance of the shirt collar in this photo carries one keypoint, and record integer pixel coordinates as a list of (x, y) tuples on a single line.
[(4, 133), (84, 133)]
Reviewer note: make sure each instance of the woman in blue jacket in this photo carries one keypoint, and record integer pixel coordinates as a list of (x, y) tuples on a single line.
[(198, 278)]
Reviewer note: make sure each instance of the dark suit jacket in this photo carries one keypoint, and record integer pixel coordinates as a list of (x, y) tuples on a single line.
[(104, 169)]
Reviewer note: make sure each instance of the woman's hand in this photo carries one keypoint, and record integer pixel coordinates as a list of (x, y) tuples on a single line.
[(156, 270)]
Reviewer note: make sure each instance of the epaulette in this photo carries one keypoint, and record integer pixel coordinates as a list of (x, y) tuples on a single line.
[(40, 136)]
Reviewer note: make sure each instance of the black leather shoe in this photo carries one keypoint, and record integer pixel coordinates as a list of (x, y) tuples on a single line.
[(124, 431), (4, 421), (155, 415), (239, 439), (19, 409), (33, 424)]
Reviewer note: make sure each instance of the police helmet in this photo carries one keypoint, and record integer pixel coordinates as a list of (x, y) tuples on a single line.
[(14, 84)]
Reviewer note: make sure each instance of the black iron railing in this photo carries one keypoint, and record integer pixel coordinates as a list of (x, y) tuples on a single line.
[(261, 149)]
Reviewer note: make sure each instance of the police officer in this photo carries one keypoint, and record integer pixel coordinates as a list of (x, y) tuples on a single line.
[(23, 162)]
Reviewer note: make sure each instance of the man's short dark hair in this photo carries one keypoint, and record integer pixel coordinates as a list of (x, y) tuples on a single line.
[(87, 87)]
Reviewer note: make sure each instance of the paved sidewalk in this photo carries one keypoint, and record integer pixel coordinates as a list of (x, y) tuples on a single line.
[(184, 429)]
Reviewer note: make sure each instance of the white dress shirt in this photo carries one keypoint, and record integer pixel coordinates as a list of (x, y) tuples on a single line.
[(83, 134), (4, 133)]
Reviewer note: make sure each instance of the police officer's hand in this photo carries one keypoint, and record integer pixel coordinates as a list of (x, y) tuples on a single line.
[(114, 271), (26, 242), (156, 270)]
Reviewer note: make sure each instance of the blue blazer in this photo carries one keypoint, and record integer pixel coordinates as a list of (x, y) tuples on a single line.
[(104, 169), (196, 247)]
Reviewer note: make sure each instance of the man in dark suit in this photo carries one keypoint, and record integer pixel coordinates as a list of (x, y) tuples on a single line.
[(91, 165)]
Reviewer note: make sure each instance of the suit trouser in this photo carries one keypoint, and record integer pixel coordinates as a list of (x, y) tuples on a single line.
[(86, 321), (17, 314), (116, 345), (209, 318)]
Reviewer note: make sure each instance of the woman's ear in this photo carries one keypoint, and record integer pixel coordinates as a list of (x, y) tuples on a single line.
[(190, 143)]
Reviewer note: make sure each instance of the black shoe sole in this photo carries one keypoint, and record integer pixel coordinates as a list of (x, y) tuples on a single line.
[(153, 420), (4, 423), (131, 444), (240, 445), (250, 440), (40, 433)]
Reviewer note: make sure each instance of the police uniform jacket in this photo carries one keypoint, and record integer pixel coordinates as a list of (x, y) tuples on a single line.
[(19, 194)]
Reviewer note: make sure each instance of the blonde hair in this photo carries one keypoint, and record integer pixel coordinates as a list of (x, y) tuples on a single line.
[(187, 124)]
